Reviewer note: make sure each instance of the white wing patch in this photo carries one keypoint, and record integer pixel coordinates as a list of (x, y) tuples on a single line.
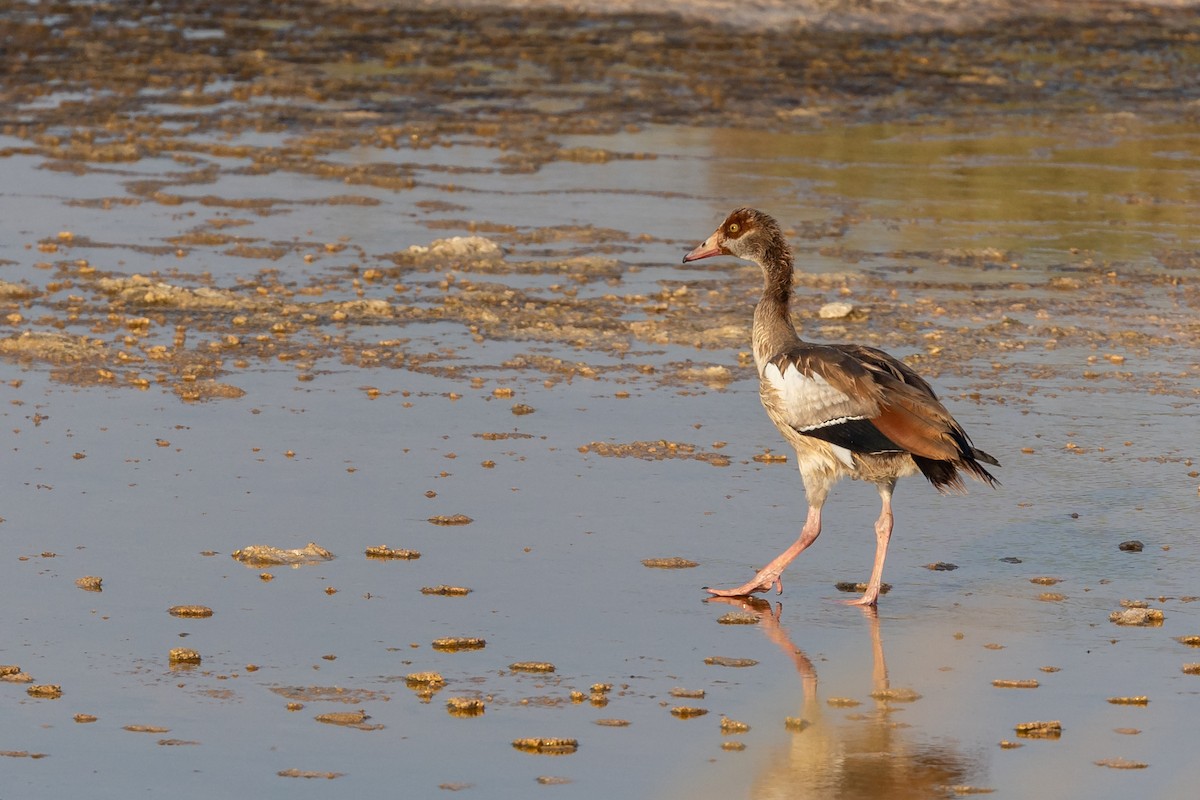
[(843, 455), (829, 423), (807, 402)]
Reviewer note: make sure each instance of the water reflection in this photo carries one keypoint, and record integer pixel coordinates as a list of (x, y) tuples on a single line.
[(1033, 193), (857, 752)]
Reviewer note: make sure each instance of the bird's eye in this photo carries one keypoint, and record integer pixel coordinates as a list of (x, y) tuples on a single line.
[(733, 227)]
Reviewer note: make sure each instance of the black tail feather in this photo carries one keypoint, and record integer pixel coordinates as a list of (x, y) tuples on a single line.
[(986, 458), (944, 474)]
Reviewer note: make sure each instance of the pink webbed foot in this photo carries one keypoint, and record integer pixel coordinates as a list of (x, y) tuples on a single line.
[(760, 583), (868, 600)]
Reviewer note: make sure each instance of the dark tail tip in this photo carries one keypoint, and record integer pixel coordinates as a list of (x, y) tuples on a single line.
[(944, 474), (986, 458)]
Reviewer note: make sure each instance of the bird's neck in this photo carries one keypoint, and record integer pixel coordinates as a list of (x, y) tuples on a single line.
[(773, 328)]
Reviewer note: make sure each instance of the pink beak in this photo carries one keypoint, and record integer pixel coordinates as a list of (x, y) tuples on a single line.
[(710, 247)]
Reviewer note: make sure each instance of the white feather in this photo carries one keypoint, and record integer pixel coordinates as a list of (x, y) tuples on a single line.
[(843, 455), (829, 423), (807, 402)]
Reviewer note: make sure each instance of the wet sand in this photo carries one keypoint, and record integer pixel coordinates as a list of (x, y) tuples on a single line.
[(410, 278)]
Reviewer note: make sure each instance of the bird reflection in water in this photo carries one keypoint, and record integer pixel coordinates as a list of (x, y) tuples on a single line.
[(852, 754)]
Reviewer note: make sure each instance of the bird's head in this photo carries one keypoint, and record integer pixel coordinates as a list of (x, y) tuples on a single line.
[(746, 233)]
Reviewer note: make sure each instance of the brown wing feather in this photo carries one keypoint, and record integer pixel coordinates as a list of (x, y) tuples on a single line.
[(918, 428), (841, 367), (912, 416), (877, 361)]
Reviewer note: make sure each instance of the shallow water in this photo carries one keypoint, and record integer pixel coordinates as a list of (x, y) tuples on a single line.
[(300, 376)]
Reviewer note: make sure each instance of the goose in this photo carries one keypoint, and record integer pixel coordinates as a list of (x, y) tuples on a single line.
[(848, 410)]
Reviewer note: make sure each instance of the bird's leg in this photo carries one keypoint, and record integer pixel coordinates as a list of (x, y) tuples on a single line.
[(883, 534), (768, 576)]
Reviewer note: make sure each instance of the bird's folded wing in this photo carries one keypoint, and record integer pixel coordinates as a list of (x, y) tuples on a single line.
[(820, 392)]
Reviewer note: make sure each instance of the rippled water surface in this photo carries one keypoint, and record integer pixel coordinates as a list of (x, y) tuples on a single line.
[(218, 334)]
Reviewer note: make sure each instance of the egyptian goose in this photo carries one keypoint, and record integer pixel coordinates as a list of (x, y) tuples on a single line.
[(847, 409)]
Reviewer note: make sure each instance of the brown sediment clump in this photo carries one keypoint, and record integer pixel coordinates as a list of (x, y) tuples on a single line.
[(1140, 700), (55, 348), (532, 666), (1040, 730), (726, 661), (655, 451), (896, 695), (50, 691), (424, 679), (795, 724), (16, 291), (733, 746), (464, 706), (1149, 617), (547, 746), (499, 436), (452, 643), (183, 655), (1121, 763), (674, 562), (1045, 581), (1191, 669), (688, 712), (608, 722), (733, 726), (338, 694), (299, 773), (599, 695), (90, 583), (842, 702), (384, 552), (349, 719), (145, 728), (199, 390), (85, 718), (446, 591), (692, 693), (1190, 641), (261, 555), (190, 611), (453, 519), (736, 618), (850, 586), (1015, 684)]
